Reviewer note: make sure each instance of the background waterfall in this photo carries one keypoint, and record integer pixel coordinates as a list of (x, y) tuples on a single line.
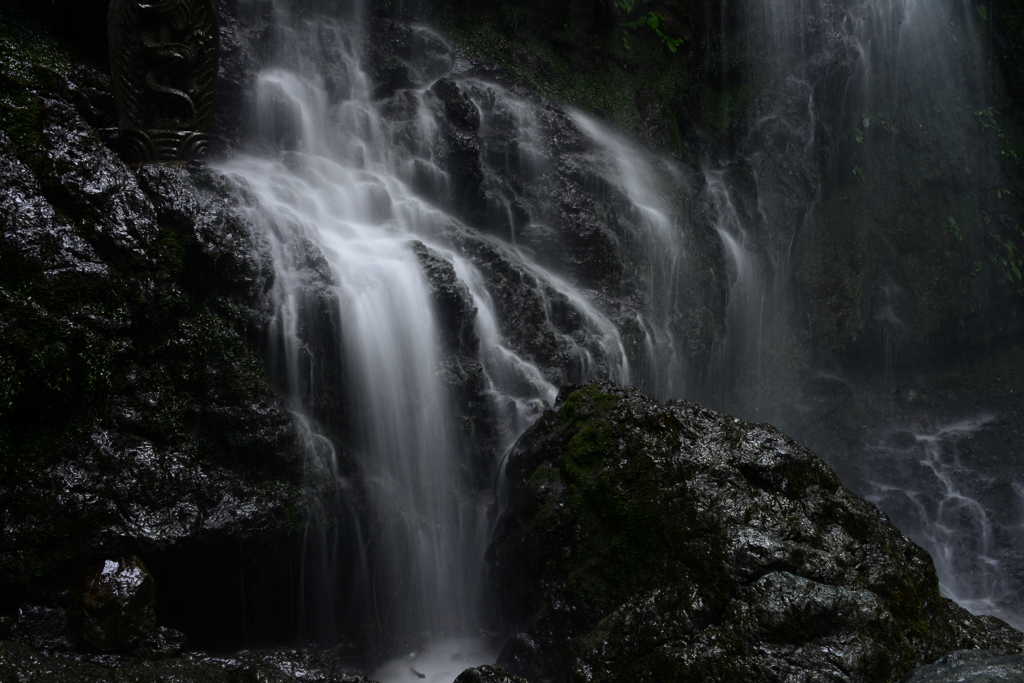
[(927, 483), (850, 180)]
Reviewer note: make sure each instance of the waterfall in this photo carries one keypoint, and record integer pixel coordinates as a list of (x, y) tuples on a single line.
[(650, 183), (920, 474), (919, 72), (387, 306), (426, 314), (873, 115)]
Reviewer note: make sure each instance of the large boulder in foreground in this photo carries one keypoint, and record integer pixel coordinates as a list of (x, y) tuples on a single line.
[(668, 542)]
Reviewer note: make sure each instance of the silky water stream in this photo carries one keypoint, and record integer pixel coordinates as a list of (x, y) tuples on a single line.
[(923, 476), (399, 554)]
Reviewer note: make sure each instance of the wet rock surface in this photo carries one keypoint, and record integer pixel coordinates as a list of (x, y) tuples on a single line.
[(510, 163), (161, 643), (44, 628), (940, 456), (244, 29), (135, 413), (488, 674), (649, 541), (20, 663), (970, 666)]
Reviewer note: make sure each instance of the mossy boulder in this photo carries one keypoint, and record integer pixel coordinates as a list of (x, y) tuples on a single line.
[(647, 541)]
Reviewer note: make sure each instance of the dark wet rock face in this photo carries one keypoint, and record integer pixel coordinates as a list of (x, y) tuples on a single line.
[(135, 413), (244, 27), (24, 664), (44, 628), (117, 604), (161, 643), (670, 542), (452, 301), (458, 151), (509, 163)]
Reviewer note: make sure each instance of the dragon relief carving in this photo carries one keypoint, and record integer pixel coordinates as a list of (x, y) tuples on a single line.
[(163, 56)]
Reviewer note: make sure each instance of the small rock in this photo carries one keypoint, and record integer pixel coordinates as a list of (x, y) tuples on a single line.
[(488, 674), (117, 605), (162, 643)]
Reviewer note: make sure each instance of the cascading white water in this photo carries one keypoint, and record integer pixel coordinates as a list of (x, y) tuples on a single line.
[(761, 193), (741, 351), (921, 480), (332, 186), (649, 183)]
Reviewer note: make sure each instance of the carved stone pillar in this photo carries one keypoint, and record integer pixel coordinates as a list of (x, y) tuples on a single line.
[(163, 55)]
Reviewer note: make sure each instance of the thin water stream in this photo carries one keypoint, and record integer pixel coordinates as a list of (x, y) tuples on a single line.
[(922, 478)]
